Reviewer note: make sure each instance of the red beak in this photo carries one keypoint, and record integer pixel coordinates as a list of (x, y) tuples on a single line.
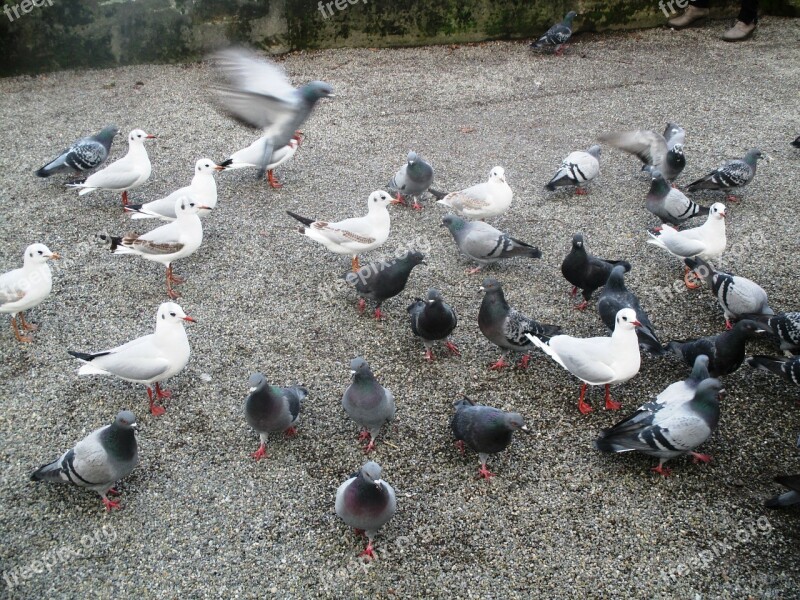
[(190, 319), (150, 136), (636, 323)]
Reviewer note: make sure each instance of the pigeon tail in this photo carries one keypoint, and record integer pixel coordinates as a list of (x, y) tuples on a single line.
[(49, 472)]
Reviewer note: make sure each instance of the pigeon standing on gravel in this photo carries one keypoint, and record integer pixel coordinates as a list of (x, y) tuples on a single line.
[(433, 319), (367, 402), (165, 244), (790, 498), (203, 190), (733, 174), (670, 204), (83, 155), (99, 460), (257, 93), (484, 429), (506, 327), (125, 174), (585, 271), (663, 153), (683, 391), (576, 170), (149, 359), (24, 288), (355, 235), (738, 296), (783, 366), (785, 328), (615, 297), (484, 244), (380, 281), (599, 360), (366, 503), (483, 201), (269, 408), (249, 158), (666, 430), (411, 181), (556, 38)]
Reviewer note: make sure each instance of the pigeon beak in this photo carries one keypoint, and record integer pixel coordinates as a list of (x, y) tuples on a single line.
[(481, 289), (525, 429), (135, 426), (636, 323), (190, 319), (149, 136), (55, 256), (251, 390)]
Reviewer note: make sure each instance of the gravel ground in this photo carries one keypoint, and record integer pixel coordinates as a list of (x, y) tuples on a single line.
[(560, 520)]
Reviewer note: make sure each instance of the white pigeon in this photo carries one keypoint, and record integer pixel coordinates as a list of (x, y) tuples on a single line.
[(167, 243), (598, 360), (128, 173), (149, 359), (352, 236), (577, 169), (482, 201), (250, 157), (203, 190), (27, 287)]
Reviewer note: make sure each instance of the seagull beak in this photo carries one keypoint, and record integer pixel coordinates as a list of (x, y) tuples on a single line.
[(218, 168), (722, 214), (636, 323), (55, 256), (204, 207), (190, 319), (149, 136)]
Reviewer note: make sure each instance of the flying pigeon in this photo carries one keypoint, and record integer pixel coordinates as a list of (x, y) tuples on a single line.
[(557, 36), (83, 155), (576, 170), (270, 408), (484, 429), (433, 319), (489, 199), (367, 402), (783, 366), (667, 429), (149, 359), (785, 328), (99, 460), (615, 297), (257, 92), (484, 244), (599, 360), (411, 181), (790, 498), (725, 351), (660, 152), (355, 235), (738, 296), (24, 288), (670, 204), (733, 174), (507, 328), (366, 503), (202, 190), (248, 158), (127, 173), (585, 271), (165, 244), (380, 281)]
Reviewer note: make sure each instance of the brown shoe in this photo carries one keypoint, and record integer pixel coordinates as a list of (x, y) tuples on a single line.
[(740, 31), (691, 15)]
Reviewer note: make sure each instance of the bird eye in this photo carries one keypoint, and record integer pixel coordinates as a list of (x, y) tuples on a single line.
[(172, 314), (40, 252), (163, 317)]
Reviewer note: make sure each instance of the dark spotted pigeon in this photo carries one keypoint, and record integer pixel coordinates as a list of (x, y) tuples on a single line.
[(367, 402), (670, 204), (782, 366), (484, 429), (732, 175), (506, 327), (790, 498), (585, 271), (269, 408), (614, 297), (382, 280), (411, 181), (663, 153), (84, 155), (433, 319), (555, 37), (785, 328)]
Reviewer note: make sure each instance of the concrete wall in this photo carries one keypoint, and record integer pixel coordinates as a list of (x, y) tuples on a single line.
[(42, 35)]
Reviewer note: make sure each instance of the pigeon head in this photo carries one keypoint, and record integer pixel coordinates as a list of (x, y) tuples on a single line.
[(360, 368), (700, 369), (108, 132), (717, 211), (453, 222), (255, 382), (433, 296), (414, 258), (185, 207), (490, 284), (412, 157), (498, 174), (577, 242), (206, 165), (37, 254), (754, 155), (137, 136), (594, 151), (626, 320), (570, 15), (315, 90), (379, 199), (677, 149), (515, 422), (126, 420), (750, 328), (170, 312), (708, 391), (616, 279), (371, 472)]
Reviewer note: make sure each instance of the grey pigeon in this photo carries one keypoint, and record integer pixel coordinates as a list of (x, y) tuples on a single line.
[(506, 327), (790, 498), (667, 430), (661, 152), (733, 174), (585, 271), (257, 93), (557, 36), (577, 169), (670, 204), (782, 366), (382, 280), (366, 503), (367, 402), (738, 296), (784, 327), (484, 244), (484, 429), (615, 297), (412, 180), (683, 391), (433, 319), (99, 460), (83, 155), (269, 408)]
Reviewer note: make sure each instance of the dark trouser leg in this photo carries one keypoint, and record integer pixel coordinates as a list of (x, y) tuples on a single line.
[(749, 12)]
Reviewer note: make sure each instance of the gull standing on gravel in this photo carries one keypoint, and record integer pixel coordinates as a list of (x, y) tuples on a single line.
[(248, 158), (24, 288), (556, 38), (148, 360), (586, 271), (670, 204), (125, 174), (355, 235), (83, 155), (367, 402), (599, 360), (577, 169), (661, 152), (202, 190), (99, 460), (733, 174), (411, 181), (269, 408), (164, 244), (482, 201)]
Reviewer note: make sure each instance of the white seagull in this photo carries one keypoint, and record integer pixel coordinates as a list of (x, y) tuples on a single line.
[(484, 200), (249, 158)]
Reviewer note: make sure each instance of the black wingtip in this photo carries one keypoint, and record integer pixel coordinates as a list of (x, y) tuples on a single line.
[(80, 355), (437, 194), (128, 208), (304, 220), (226, 163), (43, 172), (796, 143), (550, 186)]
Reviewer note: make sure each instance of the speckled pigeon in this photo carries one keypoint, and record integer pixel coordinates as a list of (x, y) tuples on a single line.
[(656, 151), (670, 204), (557, 36), (733, 174), (614, 297), (367, 402), (433, 319), (382, 280), (585, 271), (790, 498), (783, 366), (269, 408), (83, 155), (411, 181), (577, 169), (785, 328)]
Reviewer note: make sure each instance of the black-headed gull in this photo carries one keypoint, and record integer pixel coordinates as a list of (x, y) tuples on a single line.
[(482, 201), (248, 158), (83, 155)]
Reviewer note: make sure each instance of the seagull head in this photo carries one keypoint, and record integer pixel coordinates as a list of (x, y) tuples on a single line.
[(185, 207), (498, 174), (206, 165), (626, 320), (379, 199), (37, 254), (717, 211), (170, 312), (137, 136)]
